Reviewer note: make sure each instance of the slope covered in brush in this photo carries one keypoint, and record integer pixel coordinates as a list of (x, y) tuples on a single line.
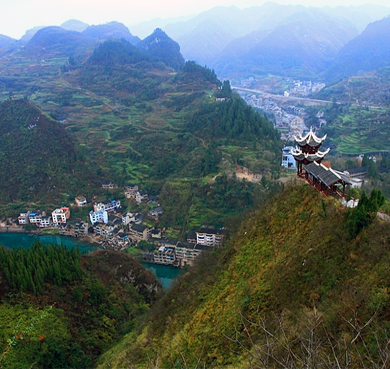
[(293, 286), (60, 309)]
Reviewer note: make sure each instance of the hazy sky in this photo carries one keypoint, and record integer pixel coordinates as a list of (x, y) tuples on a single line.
[(17, 16)]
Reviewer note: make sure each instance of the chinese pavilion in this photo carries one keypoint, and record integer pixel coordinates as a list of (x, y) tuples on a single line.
[(308, 151)]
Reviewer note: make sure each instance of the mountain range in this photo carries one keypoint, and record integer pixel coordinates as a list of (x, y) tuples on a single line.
[(368, 51), (272, 38), (293, 41)]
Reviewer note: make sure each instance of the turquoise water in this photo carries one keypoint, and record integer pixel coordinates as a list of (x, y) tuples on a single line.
[(165, 274), (13, 240)]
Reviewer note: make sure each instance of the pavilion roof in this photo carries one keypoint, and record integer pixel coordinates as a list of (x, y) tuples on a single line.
[(310, 139), (301, 156), (326, 175)]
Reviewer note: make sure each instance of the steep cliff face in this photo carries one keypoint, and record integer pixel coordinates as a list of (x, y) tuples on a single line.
[(289, 277)]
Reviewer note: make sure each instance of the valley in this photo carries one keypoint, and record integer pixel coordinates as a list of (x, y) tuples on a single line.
[(165, 151)]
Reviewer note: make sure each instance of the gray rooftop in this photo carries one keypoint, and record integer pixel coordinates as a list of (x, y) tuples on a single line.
[(326, 175)]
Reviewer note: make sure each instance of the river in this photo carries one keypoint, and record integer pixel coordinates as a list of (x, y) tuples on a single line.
[(165, 274)]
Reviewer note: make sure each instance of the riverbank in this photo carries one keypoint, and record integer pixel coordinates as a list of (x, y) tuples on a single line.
[(12, 230), (90, 239)]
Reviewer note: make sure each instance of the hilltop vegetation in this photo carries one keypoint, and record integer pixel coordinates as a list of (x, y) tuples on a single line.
[(60, 309), (38, 155), (293, 286)]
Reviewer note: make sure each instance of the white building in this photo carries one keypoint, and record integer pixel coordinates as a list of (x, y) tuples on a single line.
[(23, 217), (209, 236), (60, 215), (128, 218), (35, 218), (288, 160), (108, 205), (45, 222), (100, 216), (81, 201)]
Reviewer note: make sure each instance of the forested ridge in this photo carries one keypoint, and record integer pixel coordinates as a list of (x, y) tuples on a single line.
[(28, 270), (233, 119)]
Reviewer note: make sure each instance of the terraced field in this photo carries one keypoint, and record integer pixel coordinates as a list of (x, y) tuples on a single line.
[(360, 131)]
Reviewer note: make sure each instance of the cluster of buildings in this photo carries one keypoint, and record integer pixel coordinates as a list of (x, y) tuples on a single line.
[(132, 191), (297, 87), (289, 121), (41, 220), (178, 253), (304, 88), (113, 227)]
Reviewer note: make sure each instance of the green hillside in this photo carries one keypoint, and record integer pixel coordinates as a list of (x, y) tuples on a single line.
[(357, 121), (292, 288), (38, 156), (369, 89)]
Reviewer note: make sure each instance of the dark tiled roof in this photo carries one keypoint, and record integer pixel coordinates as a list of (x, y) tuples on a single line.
[(185, 245), (191, 235), (326, 175), (198, 246), (357, 170), (138, 227), (168, 242), (209, 230)]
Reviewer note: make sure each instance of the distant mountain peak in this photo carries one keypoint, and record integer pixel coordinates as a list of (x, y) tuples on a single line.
[(55, 41), (111, 30), (161, 46), (74, 25)]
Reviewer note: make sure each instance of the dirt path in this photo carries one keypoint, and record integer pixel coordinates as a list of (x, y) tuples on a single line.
[(203, 143)]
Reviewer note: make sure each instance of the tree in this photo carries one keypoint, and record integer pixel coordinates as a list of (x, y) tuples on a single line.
[(364, 214), (77, 295)]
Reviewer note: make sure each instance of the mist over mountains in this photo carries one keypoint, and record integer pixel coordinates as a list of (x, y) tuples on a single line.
[(295, 41)]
